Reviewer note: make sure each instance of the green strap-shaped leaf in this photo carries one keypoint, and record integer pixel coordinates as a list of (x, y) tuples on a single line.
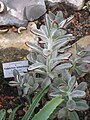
[(48, 109), (2, 114), (12, 115), (28, 114)]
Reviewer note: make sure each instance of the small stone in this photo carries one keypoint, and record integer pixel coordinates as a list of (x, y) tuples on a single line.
[(20, 112)]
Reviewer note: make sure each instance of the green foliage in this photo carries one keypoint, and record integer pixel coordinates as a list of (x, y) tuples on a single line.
[(11, 116), (24, 83), (2, 114), (51, 65), (48, 109), (37, 98), (80, 61)]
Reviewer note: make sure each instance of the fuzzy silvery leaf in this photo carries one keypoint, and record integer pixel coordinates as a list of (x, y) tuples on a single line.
[(67, 36), (77, 93), (64, 56), (48, 22), (82, 86), (71, 83), (46, 82), (62, 23), (56, 93), (59, 59), (52, 16), (62, 113), (40, 71), (71, 105), (13, 83), (52, 74), (54, 54), (40, 33), (65, 22), (46, 52), (58, 33), (52, 32), (68, 20), (58, 81), (79, 71), (81, 105), (63, 88), (41, 59), (59, 17), (62, 50), (16, 75), (36, 66), (63, 66), (66, 76), (44, 38), (34, 47), (32, 57), (73, 116), (61, 42)]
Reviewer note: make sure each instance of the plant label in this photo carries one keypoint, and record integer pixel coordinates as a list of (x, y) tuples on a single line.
[(8, 68)]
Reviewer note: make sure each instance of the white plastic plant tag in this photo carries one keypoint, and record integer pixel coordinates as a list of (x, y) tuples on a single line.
[(8, 68)]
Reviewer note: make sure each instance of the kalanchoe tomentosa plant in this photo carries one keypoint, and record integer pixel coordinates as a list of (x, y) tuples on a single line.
[(50, 65)]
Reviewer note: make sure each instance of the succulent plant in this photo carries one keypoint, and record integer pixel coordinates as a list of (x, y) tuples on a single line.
[(72, 93), (51, 65), (80, 61), (25, 83)]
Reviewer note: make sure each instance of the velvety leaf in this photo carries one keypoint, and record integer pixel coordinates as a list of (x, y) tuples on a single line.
[(58, 33), (39, 33), (36, 66), (73, 116), (13, 83), (82, 86), (71, 105), (82, 105), (41, 59), (71, 83), (62, 113), (63, 66), (32, 57), (59, 17), (46, 82), (51, 15), (56, 93), (34, 47), (48, 24), (62, 23), (61, 42), (64, 56), (66, 75), (77, 93)]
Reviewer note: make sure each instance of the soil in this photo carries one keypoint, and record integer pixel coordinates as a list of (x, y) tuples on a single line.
[(79, 27)]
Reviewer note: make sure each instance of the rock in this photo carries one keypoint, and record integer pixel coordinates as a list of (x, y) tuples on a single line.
[(76, 4), (19, 12), (13, 39), (12, 44)]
